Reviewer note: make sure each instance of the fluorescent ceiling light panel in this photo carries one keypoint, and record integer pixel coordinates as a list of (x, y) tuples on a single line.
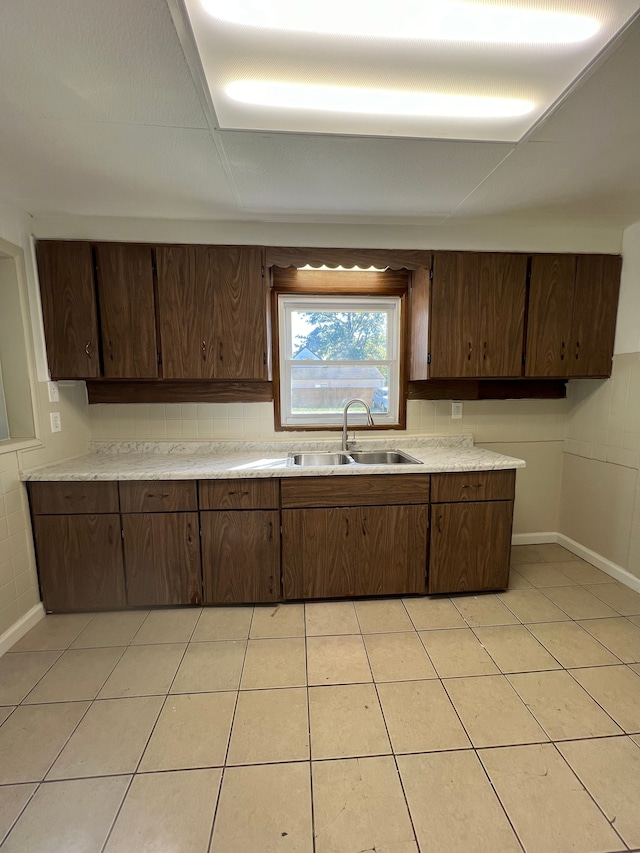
[(434, 20), (343, 99), (451, 69)]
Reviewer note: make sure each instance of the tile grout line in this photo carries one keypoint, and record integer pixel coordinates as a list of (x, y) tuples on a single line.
[(497, 796), (166, 695), (307, 685), (22, 811), (224, 768), (393, 754), (590, 795)]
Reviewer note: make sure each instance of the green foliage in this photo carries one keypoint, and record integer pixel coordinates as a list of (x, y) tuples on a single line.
[(346, 336)]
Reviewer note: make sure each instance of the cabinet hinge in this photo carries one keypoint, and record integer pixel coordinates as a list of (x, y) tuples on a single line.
[(428, 358)]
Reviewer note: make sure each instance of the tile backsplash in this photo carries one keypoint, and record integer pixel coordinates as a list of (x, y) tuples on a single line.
[(487, 420)]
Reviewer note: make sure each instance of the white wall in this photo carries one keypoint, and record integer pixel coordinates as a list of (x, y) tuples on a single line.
[(18, 580), (486, 234), (600, 494)]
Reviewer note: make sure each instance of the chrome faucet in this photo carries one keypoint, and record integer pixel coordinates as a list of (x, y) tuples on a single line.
[(345, 430)]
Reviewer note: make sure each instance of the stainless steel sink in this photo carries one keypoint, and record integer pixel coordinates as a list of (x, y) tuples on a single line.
[(315, 460), (383, 457), (359, 457)]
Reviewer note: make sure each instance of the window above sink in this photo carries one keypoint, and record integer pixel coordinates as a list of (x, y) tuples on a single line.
[(333, 347)]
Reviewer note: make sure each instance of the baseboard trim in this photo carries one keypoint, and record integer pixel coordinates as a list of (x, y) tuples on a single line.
[(599, 562), (20, 628), (533, 538)]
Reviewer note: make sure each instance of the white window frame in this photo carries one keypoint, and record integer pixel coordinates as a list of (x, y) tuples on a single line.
[(289, 303)]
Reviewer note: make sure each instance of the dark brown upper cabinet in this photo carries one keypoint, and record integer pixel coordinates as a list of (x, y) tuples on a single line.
[(476, 321), (185, 311), (212, 312), (595, 309), (67, 291), (573, 304), (239, 312), (127, 310)]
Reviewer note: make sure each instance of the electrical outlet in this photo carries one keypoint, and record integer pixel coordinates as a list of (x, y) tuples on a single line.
[(54, 394), (56, 421), (456, 411)]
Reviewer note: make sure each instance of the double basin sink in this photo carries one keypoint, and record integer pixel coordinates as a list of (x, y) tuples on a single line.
[(352, 457)]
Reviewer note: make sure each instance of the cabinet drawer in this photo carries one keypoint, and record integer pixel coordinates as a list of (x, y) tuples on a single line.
[(473, 486), (76, 498), (239, 494), (158, 496), (364, 490)]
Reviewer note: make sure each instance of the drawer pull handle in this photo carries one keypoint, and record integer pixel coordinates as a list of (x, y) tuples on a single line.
[(469, 352), (161, 496), (204, 350), (473, 485), (87, 348), (271, 531), (238, 493)]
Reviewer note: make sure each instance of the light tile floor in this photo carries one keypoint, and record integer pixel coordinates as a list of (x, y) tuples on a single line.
[(463, 724)]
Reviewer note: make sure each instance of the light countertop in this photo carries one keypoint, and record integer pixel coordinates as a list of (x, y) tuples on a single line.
[(130, 460)]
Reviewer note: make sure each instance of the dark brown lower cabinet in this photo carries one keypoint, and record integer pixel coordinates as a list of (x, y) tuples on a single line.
[(80, 562), (470, 546), (241, 556), (162, 558), (347, 551)]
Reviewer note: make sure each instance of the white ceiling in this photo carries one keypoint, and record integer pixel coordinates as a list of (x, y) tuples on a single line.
[(102, 115)]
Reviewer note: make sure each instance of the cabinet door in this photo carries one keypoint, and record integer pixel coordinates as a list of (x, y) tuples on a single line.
[(185, 312), (162, 558), (79, 562), (239, 313), (453, 324), (67, 290), (316, 553), (551, 289), (503, 291), (470, 546), (595, 309), (127, 311), (335, 553), (241, 556)]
